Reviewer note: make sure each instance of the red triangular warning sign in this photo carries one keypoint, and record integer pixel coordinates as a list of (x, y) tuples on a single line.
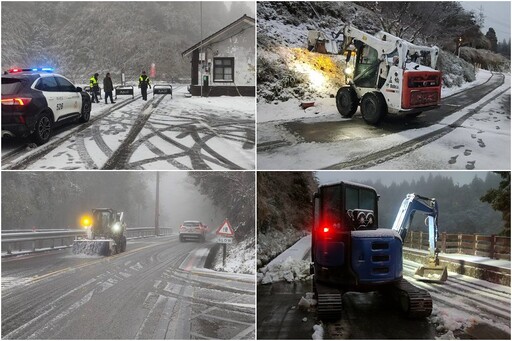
[(225, 229)]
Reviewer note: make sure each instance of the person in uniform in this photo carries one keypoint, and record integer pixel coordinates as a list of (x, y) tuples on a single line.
[(144, 83), (95, 88)]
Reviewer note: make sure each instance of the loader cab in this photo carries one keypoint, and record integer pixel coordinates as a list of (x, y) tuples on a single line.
[(103, 219), (367, 66)]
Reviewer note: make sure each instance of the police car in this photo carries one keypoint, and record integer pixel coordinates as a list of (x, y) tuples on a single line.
[(36, 100)]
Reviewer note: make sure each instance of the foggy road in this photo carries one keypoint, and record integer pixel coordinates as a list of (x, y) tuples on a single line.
[(155, 290)]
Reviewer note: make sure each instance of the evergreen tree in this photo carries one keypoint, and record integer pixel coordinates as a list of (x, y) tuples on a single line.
[(499, 198), (491, 36)]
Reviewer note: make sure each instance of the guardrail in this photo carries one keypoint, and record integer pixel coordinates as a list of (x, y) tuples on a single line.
[(50, 239), (494, 247)]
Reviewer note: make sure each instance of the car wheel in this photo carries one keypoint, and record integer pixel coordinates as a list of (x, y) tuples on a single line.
[(43, 129), (346, 101), (86, 111), (373, 107)]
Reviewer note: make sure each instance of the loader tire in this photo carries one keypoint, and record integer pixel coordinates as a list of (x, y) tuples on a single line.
[(123, 243), (373, 107), (346, 101)]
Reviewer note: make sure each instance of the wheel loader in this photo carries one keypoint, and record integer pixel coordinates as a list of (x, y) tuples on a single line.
[(106, 233), (385, 74), (350, 252)]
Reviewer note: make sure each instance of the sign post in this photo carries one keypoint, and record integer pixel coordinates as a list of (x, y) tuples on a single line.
[(225, 234)]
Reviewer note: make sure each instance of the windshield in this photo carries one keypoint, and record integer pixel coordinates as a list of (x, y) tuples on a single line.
[(10, 86), (360, 198)]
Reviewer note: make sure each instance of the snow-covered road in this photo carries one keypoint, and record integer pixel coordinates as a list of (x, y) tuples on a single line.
[(157, 289), (462, 307), (471, 130), (166, 132)]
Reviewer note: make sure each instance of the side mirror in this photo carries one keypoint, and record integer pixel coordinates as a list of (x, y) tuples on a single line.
[(78, 89)]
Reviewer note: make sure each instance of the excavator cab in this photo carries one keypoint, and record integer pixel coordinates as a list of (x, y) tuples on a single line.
[(350, 253)]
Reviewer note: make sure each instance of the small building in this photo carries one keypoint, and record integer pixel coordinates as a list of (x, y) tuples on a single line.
[(224, 63)]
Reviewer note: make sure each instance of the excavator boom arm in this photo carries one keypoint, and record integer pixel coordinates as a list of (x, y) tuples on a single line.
[(415, 203)]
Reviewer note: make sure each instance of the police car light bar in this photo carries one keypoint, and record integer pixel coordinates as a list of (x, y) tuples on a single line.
[(43, 69)]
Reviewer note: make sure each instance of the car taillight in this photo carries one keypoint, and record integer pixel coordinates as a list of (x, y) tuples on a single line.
[(325, 230), (20, 101)]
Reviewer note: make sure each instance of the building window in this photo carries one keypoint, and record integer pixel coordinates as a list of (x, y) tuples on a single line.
[(223, 69)]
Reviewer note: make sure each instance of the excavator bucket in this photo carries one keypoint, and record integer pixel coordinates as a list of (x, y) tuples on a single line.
[(431, 273)]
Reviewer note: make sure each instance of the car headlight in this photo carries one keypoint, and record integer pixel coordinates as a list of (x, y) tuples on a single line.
[(349, 71), (116, 227)]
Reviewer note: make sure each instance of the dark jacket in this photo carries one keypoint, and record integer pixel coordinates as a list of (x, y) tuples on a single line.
[(107, 84)]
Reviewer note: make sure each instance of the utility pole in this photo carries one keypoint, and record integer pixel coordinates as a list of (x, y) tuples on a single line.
[(157, 204), (201, 48)]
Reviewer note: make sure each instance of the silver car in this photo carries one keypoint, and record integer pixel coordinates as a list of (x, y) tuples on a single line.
[(193, 229)]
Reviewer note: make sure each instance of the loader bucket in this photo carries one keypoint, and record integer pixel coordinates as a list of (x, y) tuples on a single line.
[(101, 247), (434, 273)]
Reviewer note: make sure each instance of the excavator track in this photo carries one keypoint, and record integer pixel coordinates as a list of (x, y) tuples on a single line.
[(329, 306), (328, 302), (414, 302)]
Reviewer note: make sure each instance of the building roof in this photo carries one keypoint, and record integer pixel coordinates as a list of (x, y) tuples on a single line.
[(232, 29)]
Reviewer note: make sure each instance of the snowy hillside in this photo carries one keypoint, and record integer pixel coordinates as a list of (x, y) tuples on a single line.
[(78, 38), (282, 41)]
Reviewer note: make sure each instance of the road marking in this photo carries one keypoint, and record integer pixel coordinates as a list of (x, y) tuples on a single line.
[(53, 322), (13, 334), (243, 333)]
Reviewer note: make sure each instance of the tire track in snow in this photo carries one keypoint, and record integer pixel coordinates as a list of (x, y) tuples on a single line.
[(375, 158)]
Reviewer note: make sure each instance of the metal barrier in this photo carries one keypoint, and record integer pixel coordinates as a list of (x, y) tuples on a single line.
[(38, 240), (125, 90), (162, 89), (14, 240)]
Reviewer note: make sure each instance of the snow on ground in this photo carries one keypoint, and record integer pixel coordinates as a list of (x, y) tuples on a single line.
[(224, 124), (481, 77), (481, 142), (484, 139), (239, 258), (290, 265), (325, 108), (454, 309)]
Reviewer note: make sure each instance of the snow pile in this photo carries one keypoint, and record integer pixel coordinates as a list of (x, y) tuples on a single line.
[(92, 247), (239, 257), (453, 320), (307, 301), (290, 270), (318, 332)]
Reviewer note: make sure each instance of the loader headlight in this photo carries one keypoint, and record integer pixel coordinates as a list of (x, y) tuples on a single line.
[(349, 71), (86, 221), (116, 227)]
